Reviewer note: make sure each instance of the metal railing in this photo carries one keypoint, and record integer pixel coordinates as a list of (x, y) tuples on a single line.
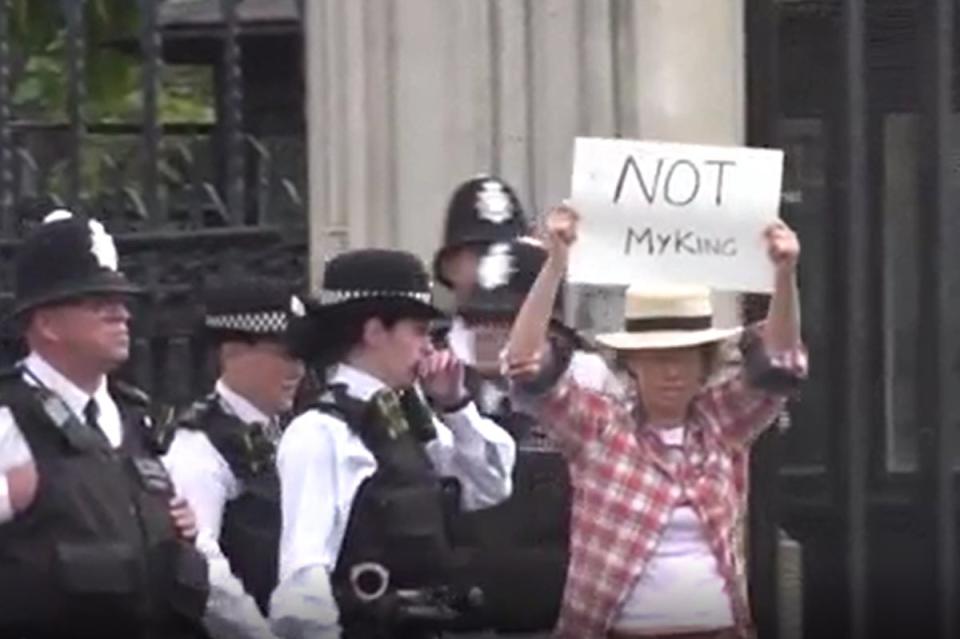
[(185, 201)]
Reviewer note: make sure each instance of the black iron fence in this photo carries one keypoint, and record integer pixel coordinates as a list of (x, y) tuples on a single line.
[(185, 201), (862, 95)]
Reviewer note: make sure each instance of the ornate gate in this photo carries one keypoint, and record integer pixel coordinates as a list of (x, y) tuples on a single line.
[(185, 200)]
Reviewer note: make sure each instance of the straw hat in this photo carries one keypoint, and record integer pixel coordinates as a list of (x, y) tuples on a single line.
[(668, 317)]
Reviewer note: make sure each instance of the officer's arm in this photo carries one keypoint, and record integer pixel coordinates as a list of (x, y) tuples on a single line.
[(202, 477), (307, 463), (18, 474), (478, 452)]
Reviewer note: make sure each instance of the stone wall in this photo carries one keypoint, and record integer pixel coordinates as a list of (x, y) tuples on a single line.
[(408, 98)]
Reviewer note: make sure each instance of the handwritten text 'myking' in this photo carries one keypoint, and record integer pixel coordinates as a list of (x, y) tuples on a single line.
[(648, 241)]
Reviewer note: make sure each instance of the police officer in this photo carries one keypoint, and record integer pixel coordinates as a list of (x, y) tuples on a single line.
[(489, 261), (486, 243), (364, 525), (521, 545), (89, 539), (505, 273), (222, 455)]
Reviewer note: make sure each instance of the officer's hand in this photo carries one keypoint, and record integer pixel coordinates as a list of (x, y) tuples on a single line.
[(441, 377), (184, 518), (22, 486)]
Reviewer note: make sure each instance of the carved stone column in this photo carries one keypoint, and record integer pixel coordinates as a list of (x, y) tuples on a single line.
[(407, 99)]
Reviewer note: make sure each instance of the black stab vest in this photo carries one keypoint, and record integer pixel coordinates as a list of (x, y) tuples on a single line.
[(250, 531), (96, 553), (398, 518), (521, 545)]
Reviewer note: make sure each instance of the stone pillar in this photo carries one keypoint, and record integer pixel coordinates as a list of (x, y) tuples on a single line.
[(689, 82), (316, 214), (407, 99)]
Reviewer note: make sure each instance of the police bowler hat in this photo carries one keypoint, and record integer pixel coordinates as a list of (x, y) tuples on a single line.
[(361, 284), (250, 307)]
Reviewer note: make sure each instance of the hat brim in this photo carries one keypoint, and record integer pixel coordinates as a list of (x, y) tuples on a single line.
[(310, 335), (654, 340), (219, 335), (400, 305), (445, 251), (106, 284), (496, 306)]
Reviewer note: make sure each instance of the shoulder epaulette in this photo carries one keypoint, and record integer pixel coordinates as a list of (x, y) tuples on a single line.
[(194, 415), (335, 401)]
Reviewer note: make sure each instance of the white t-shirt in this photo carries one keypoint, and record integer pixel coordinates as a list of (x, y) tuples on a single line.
[(681, 587)]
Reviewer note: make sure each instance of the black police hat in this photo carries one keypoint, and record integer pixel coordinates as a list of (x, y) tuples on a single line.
[(250, 307), (505, 274), (482, 211), (361, 284), (67, 257), (389, 278)]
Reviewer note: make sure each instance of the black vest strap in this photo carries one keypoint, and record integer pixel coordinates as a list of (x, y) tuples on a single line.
[(244, 446), (37, 407), (360, 416)]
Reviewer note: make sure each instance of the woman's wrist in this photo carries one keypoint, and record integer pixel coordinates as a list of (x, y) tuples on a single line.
[(556, 266)]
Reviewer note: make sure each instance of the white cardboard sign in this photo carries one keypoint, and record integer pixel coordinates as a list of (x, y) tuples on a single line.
[(674, 213)]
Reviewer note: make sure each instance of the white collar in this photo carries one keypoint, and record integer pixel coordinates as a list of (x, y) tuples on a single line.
[(240, 405), (360, 384), (43, 373)]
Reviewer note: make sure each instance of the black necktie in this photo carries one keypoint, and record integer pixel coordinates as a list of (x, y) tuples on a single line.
[(91, 415)]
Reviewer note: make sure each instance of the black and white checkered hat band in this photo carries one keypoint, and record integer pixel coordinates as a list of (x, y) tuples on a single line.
[(334, 296), (265, 323)]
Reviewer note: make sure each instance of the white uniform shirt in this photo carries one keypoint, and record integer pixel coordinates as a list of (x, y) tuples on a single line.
[(14, 450), (203, 477), (322, 464), (681, 587)]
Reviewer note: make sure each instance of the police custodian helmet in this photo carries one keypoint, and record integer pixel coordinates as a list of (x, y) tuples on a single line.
[(482, 211), (67, 257)]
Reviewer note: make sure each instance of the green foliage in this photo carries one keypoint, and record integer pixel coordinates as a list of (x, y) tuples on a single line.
[(112, 74)]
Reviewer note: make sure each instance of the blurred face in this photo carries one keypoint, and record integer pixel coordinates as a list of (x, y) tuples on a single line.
[(92, 330), (264, 372), (489, 339), (668, 379), (397, 351), (460, 269)]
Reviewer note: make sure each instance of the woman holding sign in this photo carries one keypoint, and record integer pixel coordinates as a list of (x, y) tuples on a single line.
[(659, 476)]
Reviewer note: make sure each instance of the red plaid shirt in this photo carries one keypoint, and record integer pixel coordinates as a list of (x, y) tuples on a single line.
[(625, 487)]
